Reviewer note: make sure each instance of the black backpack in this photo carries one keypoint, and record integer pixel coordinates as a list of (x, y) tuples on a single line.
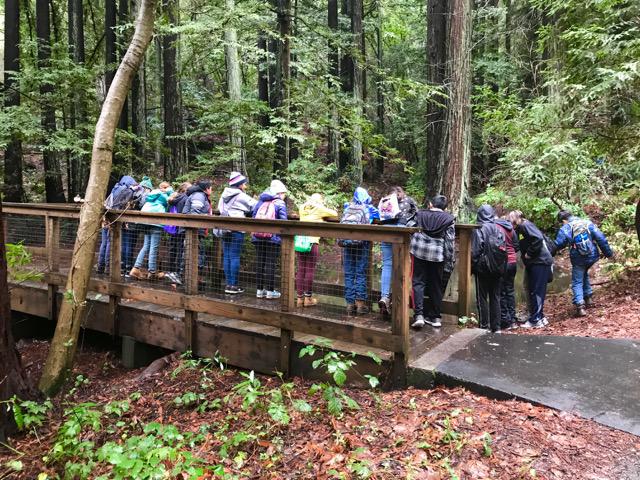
[(408, 211), (492, 260)]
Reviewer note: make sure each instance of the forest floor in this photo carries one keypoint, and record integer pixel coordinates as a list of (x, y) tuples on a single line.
[(616, 313), (197, 418)]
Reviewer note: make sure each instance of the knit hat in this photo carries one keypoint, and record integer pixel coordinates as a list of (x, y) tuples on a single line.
[(146, 183), (277, 187), (236, 179)]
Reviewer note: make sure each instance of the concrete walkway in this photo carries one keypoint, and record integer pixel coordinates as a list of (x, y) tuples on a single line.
[(595, 378)]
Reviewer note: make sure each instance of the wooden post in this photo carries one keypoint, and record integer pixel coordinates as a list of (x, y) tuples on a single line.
[(464, 273), (401, 291), (369, 300), (52, 242), (115, 269), (288, 299), (191, 246)]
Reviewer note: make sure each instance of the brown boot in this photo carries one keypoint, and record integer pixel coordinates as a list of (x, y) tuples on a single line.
[(299, 302), (351, 309), (310, 301), (580, 311), (156, 275), (138, 274), (361, 307), (588, 302)]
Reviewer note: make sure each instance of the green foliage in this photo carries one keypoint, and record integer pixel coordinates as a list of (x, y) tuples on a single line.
[(18, 258), (29, 414)]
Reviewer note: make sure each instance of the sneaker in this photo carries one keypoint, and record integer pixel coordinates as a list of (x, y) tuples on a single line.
[(544, 321), (434, 322), (513, 326), (100, 270), (418, 322), (588, 302), (261, 293), (580, 311), (498, 331), (273, 294), (173, 278), (530, 324), (384, 304), (233, 290)]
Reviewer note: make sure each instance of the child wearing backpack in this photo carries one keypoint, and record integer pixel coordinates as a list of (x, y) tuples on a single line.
[(176, 235), (585, 241), (396, 209), (355, 253), (488, 263), (234, 202), (538, 263), (308, 249), (270, 206)]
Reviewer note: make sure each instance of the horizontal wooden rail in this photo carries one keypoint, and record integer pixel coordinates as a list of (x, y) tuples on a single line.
[(369, 337)]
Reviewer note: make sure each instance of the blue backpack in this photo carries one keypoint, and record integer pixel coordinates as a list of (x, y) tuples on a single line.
[(581, 237)]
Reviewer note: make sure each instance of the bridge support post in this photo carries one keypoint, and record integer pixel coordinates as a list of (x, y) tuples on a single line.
[(52, 242), (115, 272), (401, 291), (288, 299), (191, 286), (465, 286)]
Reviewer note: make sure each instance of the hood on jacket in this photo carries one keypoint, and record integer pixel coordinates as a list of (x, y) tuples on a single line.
[(506, 224), (361, 196), (156, 196), (486, 214), (193, 189), (277, 187), (229, 192), (267, 197), (434, 222), (127, 181)]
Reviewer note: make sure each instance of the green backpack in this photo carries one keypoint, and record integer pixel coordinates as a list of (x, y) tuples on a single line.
[(302, 244)]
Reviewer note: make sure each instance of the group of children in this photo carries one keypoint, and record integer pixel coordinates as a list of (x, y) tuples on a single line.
[(495, 244)]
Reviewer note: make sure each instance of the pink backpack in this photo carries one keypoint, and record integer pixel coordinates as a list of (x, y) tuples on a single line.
[(267, 211)]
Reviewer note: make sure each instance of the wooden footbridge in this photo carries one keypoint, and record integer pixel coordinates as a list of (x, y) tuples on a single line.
[(258, 334)]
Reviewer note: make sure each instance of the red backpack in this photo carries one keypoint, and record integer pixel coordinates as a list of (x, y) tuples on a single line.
[(267, 211)]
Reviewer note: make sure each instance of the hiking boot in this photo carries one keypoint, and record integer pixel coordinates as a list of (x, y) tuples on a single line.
[(233, 290), (155, 276), (588, 302), (273, 295), (361, 307), (261, 293), (299, 302), (434, 322), (418, 322), (138, 274), (580, 311), (530, 324), (310, 301), (351, 309), (385, 305)]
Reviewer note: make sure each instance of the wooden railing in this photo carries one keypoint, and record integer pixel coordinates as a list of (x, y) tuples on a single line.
[(286, 318)]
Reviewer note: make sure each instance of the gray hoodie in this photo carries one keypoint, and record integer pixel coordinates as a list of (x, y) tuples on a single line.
[(235, 203)]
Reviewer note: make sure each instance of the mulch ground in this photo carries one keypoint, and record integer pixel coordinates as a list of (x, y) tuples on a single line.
[(616, 313), (419, 434)]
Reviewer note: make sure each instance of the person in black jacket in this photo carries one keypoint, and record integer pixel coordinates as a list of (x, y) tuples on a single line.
[(509, 319), (538, 263)]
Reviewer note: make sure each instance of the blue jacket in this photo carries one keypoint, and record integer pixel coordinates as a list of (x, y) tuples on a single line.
[(361, 196), (281, 213), (565, 238)]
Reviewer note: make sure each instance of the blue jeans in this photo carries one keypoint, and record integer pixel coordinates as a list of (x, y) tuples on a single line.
[(356, 262), (129, 236), (387, 268), (105, 249), (537, 279), (150, 247), (580, 283), (231, 251)]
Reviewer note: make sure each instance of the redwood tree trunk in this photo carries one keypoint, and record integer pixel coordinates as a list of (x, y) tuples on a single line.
[(175, 163), (334, 71), (14, 381), (263, 76), (283, 71), (13, 189), (234, 88), (64, 343), (54, 190), (358, 90)]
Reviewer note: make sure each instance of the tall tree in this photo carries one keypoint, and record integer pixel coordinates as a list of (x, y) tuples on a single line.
[(358, 90), (54, 190), (139, 110), (14, 380), (175, 160), (280, 94), (263, 75), (437, 14), (78, 171), (13, 187), (123, 19), (458, 134), (65, 340), (234, 87), (334, 72), (346, 83)]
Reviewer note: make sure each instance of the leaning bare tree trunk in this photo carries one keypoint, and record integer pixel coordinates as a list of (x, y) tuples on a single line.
[(458, 146), (63, 345), (14, 381), (638, 220), (234, 87), (358, 91)]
